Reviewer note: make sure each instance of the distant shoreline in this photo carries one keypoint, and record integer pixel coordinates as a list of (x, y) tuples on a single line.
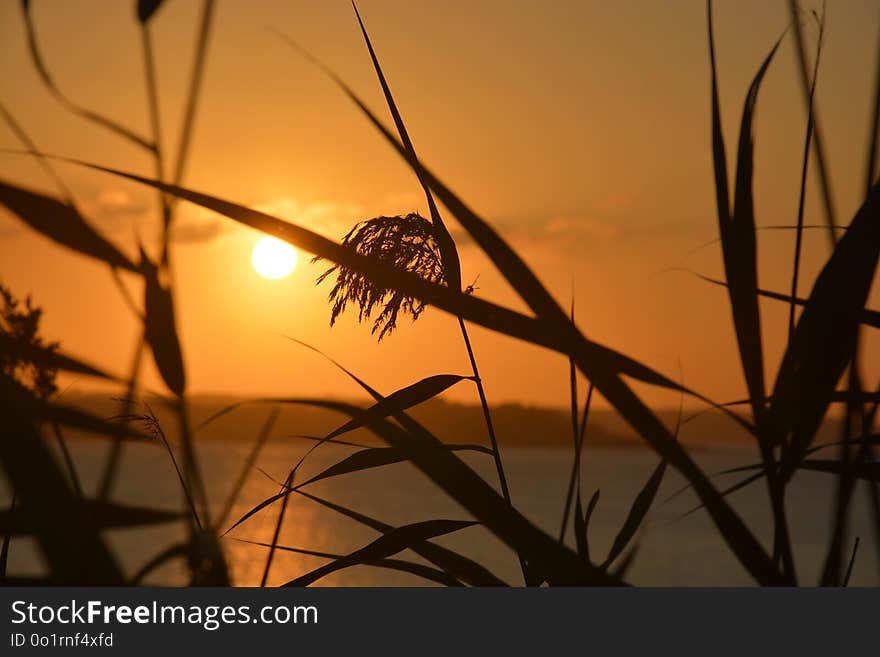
[(516, 425)]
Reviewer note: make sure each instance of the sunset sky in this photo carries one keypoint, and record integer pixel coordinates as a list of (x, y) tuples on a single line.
[(581, 130)]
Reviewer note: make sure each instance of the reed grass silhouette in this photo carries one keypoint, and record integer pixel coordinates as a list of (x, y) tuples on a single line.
[(393, 265)]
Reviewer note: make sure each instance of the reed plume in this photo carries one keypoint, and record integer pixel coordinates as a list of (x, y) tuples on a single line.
[(406, 242)]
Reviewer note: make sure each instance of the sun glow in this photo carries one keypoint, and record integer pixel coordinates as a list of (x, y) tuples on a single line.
[(273, 258)]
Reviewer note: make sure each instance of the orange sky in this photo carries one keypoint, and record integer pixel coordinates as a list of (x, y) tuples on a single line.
[(579, 129)]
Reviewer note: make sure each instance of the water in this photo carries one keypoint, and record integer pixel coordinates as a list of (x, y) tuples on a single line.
[(671, 552)]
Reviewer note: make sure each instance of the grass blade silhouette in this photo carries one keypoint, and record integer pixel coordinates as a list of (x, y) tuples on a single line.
[(818, 140), (387, 545), (737, 231), (161, 330), (29, 144), (400, 565), (68, 460), (403, 399), (868, 317), (147, 8), (172, 552), (411, 395), (49, 83), (575, 477), (235, 491), (62, 224), (582, 524), (640, 507), (103, 515), (50, 358), (375, 457), (551, 560), (400, 400), (455, 564), (71, 544), (369, 457), (808, 140), (869, 471), (825, 337)]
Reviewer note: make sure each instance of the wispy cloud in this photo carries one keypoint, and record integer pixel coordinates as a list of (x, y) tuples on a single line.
[(569, 232)]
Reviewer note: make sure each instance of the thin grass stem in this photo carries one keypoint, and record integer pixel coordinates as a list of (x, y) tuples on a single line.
[(803, 184), (818, 142)]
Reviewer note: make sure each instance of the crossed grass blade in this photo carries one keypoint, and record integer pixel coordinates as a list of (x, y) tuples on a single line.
[(457, 565), (406, 397), (852, 562), (68, 460), (582, 524), (824, 340), (376, 457), (420, 570), (869, 471), (398, 401), (758, 476), (555, 563), (868, 317), (640, 507), (403, 399), (67, 535), (154, 427), (371, 458), (72, 417), (366, 459), (637, 513), (19, 131), (387, 545), (873, 440), (249, 462)]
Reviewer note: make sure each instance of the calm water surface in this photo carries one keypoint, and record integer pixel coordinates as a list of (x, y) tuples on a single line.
[(672, 551)]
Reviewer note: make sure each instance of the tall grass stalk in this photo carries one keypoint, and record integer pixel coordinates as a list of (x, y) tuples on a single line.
[(795, 14), (808, 140), (451, 264)]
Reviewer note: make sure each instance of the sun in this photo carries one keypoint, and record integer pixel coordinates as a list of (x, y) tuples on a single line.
[(273, 258)]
